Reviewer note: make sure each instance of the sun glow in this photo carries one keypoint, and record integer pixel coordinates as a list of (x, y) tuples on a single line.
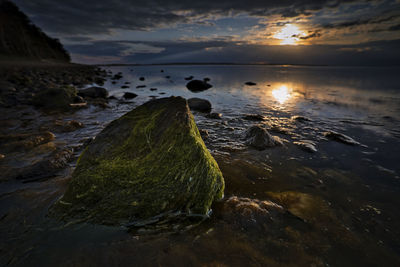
[(281, 94), (289, 35)]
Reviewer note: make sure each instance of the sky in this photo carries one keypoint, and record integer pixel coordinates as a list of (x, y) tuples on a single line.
[(319, 32)]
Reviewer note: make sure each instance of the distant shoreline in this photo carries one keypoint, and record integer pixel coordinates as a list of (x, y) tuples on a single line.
[(210, 63), (237, 64)]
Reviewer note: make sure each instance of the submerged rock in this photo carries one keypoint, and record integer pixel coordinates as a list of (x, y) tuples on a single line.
[(93, 92), (149, 162), (199, 104), (341, 138), (304, 206), (45, 168), (260, 139), (254, 211), (198, 85)]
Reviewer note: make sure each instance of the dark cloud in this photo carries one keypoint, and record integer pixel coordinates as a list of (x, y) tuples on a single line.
[(394, 28), (310, 35), (371, 20), (94, 16)]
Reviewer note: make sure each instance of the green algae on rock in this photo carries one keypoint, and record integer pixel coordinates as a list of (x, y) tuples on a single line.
[(150, 161)]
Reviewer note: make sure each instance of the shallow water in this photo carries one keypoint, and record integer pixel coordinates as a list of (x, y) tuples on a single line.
[(340, 202)]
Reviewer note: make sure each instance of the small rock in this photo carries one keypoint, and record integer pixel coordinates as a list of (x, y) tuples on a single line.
[(206, 79), (189, 78), (117, 76), (198, 85), (153, 89), (129, 95), (199, 104), (141, 79), (260, 139), (141, 86), (250, 83), (300, 118), (124, 86), (341, 138), (306, 145)]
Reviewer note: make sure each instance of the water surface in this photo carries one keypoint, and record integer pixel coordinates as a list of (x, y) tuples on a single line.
[(341, 201)]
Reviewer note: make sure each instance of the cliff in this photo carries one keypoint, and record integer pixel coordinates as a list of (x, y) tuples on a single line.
[(21, 39)]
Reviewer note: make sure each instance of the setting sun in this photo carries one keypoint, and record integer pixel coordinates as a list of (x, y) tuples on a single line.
[(289, 34)]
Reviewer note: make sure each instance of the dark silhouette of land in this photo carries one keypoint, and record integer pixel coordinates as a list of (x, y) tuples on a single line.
[(21, 40)]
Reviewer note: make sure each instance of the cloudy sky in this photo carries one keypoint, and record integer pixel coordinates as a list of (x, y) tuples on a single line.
[(338, 32)]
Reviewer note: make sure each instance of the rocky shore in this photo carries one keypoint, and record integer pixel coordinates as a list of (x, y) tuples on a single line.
[(30, 83), (35, 98)]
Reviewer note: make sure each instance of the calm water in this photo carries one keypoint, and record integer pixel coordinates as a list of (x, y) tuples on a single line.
[(341, 203)]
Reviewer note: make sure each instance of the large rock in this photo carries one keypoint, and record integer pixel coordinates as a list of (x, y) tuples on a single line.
[(260, 138), (199, 104), (93, 92), (198, 85), (149, 162)]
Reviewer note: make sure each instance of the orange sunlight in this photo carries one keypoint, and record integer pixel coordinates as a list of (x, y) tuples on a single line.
[(289, 35)]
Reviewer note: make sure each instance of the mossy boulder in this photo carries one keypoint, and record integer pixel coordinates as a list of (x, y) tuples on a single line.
[(149, 162), (55, 98)]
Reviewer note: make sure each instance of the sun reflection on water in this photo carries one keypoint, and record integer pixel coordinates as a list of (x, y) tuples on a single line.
[(282, 94)]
